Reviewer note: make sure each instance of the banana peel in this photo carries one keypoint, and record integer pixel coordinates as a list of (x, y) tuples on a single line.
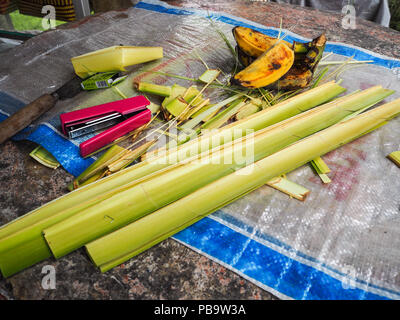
[(301, 74), (267, 68), (295, 79), (244, 58), (251, 44)]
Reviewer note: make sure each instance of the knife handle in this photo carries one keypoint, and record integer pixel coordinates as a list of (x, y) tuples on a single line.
[(25, 116)]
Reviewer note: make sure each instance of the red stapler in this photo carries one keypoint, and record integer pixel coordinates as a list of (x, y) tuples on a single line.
[(123, 115)]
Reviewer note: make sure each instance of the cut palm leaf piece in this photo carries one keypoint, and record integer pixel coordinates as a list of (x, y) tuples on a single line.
[(192, 95), (200, 106), (209, 75), (132, 135), (289, 187), (86, 176), (212, 115), (194, 115), (119, 246), (327, 63), (168, 134), (395, 157), (195, 121), (195, 99), (377, 127), (44, 157), (176, 90), (321, 165), (247, 110), (120, 93), (176, 106), (324, 177), (153, 107), (130, 156), (152, 88), (354, 114), (221, 118), (113, 58)]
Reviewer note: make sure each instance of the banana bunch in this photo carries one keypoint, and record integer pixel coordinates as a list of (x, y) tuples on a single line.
[(269, 60)]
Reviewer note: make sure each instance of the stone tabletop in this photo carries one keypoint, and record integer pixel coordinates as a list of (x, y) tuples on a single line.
[(169, 270)]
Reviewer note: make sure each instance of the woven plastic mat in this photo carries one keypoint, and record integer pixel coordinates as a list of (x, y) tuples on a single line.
[(342, 243)]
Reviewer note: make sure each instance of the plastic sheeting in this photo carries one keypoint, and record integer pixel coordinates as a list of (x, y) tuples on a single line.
[(342, 243)]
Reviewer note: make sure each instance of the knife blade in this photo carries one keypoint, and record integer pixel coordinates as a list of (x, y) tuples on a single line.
[(26, 115)]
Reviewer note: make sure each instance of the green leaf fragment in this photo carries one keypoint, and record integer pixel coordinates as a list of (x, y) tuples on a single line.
[(209, 75), (289, 187), (152, 88), (395, 157), (222, 117), (44, 157), (321, 165), (176, 106)]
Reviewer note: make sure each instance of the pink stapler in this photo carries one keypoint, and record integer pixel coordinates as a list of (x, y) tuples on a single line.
[(124, 115)]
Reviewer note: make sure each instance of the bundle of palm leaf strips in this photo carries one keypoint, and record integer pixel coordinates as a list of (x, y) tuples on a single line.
[(224, 149)]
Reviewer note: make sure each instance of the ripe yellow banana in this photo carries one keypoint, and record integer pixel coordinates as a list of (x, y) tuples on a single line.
[(252, 42), (267, 68)]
